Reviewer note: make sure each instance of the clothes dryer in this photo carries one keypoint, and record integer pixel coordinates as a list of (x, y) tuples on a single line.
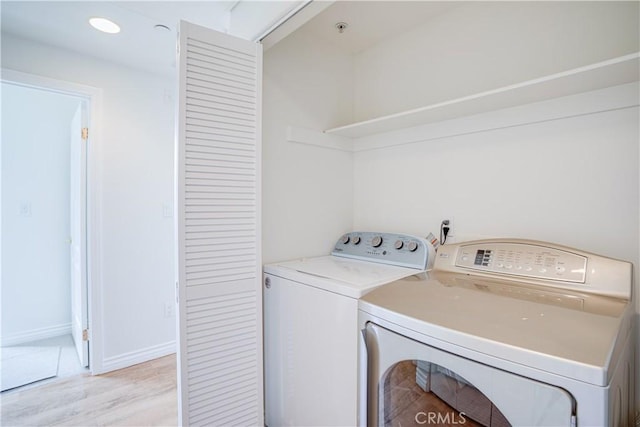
[(502, 332), (311, 324)]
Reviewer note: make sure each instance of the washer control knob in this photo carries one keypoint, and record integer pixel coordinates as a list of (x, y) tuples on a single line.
[(376, 241), (413, 246), (345, 239), (398, 244), (356, 240)]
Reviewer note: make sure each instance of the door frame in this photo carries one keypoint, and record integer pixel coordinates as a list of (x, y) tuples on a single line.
[(93, 96)]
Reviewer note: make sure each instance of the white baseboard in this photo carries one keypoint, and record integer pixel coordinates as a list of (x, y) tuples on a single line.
[(139, 356), (35, 334)]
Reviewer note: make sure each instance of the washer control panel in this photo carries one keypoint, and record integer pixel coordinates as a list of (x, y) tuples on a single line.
[(525, 260), (387, 248)]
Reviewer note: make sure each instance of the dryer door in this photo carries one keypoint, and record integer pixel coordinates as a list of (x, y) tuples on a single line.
[(411, 383)]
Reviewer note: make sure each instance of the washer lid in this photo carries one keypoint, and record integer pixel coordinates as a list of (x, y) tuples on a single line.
[(574, 335), (341, 275)]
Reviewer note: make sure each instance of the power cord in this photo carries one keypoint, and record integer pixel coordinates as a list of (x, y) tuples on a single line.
[(444, 230)]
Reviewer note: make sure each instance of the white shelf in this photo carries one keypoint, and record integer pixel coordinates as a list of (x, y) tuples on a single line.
[(319, 139), (613, 72)]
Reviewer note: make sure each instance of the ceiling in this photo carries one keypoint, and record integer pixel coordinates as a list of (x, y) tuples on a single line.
[(371, 22), (141, 45)]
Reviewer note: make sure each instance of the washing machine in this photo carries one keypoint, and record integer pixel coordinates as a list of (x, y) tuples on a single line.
[(501, 332), (311, 334)]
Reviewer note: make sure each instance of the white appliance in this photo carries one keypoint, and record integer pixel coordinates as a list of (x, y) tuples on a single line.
[(311, 325), (502, 332)]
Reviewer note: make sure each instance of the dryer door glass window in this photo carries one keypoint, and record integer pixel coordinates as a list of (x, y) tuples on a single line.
[(410, 383), (419, 392)]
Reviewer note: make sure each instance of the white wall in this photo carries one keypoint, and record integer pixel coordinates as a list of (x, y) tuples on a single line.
[(307, 190), (35, 283), (479, 46), (572, 181), (136, 185)]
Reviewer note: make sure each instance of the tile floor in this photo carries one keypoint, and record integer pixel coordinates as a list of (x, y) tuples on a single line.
[(69, 364)]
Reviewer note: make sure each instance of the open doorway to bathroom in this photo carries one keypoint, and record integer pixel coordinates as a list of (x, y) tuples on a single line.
[(44, 238)]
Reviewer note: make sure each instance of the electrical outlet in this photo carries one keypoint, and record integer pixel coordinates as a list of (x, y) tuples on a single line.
[(25, 209), (168, 310), (451, 226), (447, 230)]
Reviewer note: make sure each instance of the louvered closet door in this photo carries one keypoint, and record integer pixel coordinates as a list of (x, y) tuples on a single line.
[(219, 266)]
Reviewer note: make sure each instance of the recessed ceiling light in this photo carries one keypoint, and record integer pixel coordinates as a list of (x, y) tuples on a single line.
[(104, 25)]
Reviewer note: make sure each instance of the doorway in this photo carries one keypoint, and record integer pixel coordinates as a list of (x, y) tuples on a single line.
[(44, 234)]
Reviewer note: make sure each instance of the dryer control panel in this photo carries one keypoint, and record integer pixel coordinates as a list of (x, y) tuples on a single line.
[(523, 260), (387, 248), (538, 263)]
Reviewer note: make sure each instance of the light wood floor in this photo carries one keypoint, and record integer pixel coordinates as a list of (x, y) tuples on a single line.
[(141, 395)]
